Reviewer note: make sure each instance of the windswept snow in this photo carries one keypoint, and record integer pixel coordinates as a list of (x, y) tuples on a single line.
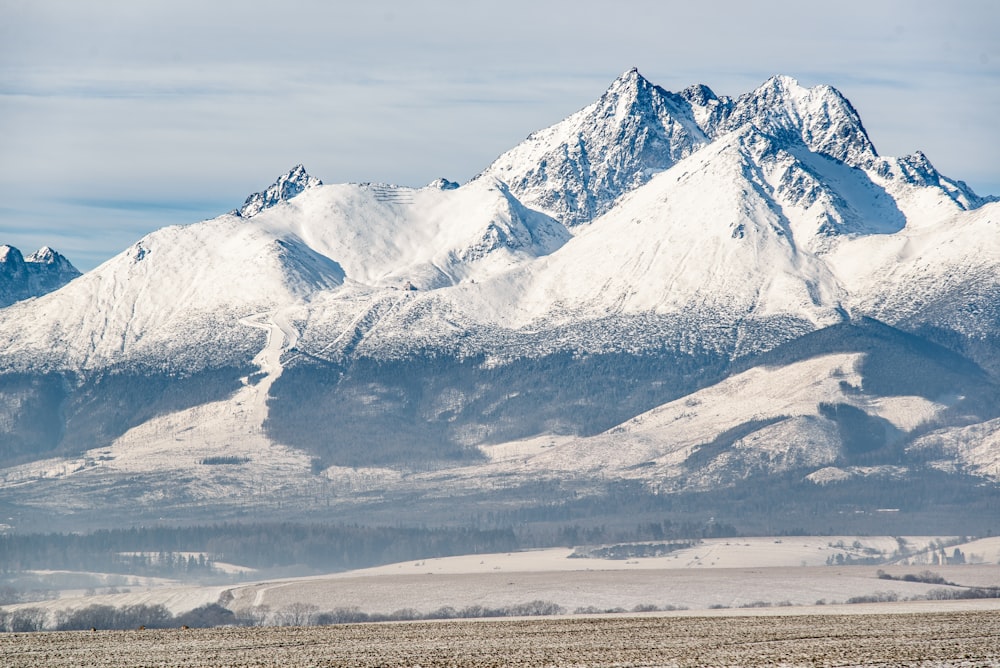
[(944, 273)]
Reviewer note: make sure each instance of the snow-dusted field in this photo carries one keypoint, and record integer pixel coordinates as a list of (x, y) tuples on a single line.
[(420, 588), (768, 573), (940, 639)]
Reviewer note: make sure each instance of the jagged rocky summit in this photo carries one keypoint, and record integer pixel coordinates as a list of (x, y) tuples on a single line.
[(286, 187), (577, 168)]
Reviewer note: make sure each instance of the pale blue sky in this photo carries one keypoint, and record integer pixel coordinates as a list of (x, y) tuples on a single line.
[(117, 118)]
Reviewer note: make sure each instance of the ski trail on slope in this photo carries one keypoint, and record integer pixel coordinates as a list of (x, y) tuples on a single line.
[(357, 331), (177, 450), (280, 337), (232, 427)]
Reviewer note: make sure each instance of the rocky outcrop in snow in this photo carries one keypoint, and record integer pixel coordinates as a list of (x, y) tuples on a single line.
[(288, 185)]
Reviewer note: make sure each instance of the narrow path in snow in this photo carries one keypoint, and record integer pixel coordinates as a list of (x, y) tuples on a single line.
[(281, 335)]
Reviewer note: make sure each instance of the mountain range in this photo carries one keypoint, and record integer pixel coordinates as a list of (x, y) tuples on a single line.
[(675, 293)]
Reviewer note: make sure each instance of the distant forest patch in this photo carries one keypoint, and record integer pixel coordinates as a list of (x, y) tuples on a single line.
[(224, 459), (630, 551)]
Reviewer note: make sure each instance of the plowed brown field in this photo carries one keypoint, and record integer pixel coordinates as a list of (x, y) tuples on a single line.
[(923, 639)]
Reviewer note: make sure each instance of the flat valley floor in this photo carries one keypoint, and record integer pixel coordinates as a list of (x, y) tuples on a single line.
[(899, 639)]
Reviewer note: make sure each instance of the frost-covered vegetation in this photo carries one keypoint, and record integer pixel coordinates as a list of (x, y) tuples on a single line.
[(629, 551), (157, 616)]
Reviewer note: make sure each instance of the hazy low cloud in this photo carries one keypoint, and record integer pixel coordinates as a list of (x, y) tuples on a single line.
[(200, 103)]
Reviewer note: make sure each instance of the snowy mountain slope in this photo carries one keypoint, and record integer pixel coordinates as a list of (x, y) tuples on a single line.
[(180, 294), (702, 322), (432, 237), (212, 449), (42, 272), (662, 252), (972, 449), (833, 398), (656, 444), (664, 248), (803, 411), (174, 298), (943, 276)]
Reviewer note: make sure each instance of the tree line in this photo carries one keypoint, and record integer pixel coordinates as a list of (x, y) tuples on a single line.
[(157, 550), (193, 551), (140, 616)]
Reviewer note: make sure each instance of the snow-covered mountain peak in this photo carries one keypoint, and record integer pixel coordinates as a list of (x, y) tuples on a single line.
[(699, 95), (443, 184), (52, 259), (41, 272), (576, 169), (820, 117), (783, 84), (44, 254), (634, 99), (628, 83), (288, 185)]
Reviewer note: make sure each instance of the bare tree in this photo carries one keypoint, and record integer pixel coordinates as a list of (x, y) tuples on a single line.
[(255, 615), (296, 614), (27, 620)]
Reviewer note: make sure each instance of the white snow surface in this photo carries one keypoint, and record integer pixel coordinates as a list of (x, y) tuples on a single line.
[(927, 269)]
